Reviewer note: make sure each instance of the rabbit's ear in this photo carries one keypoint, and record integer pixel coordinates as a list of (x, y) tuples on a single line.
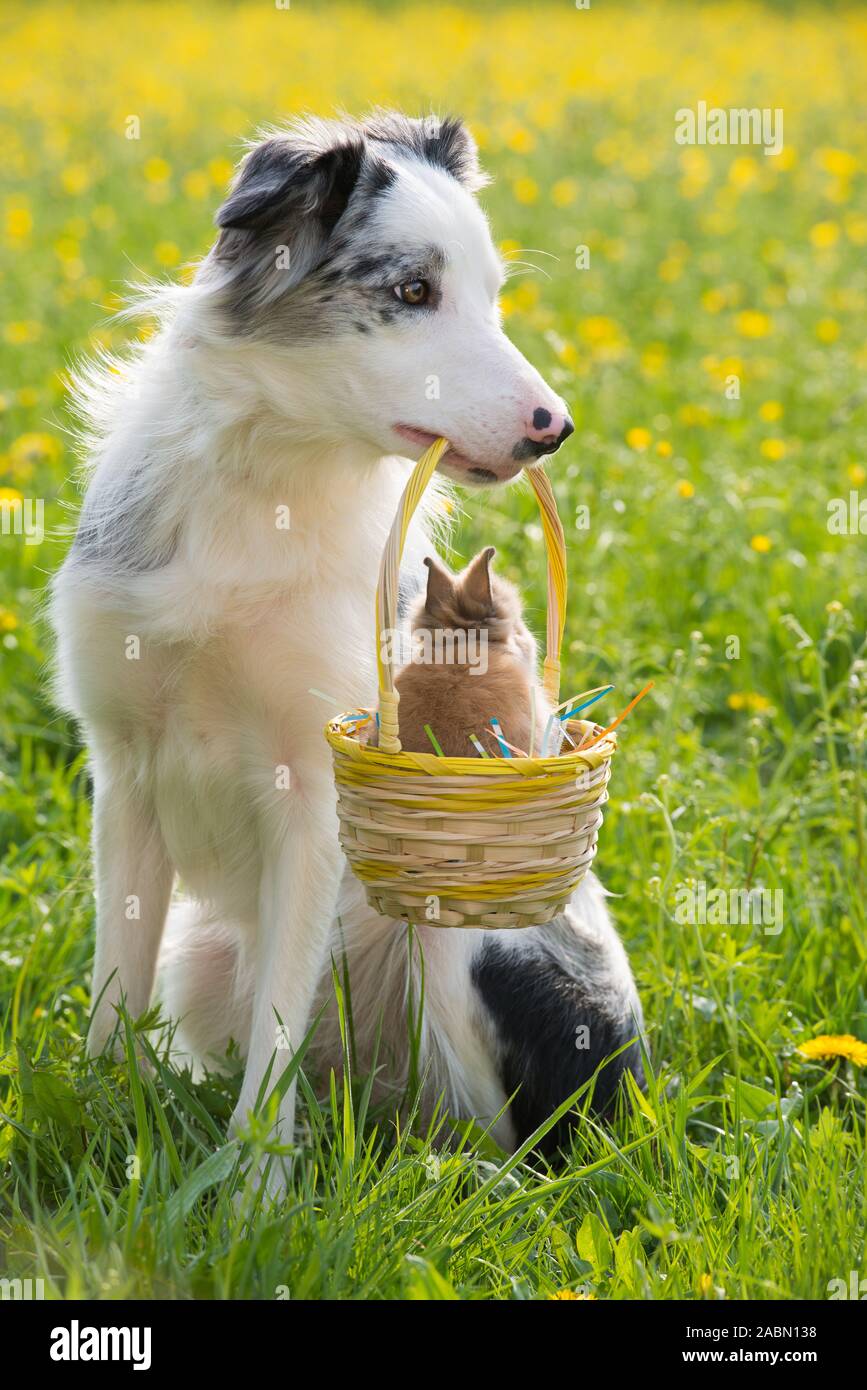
[(476, 580), (440, 587)]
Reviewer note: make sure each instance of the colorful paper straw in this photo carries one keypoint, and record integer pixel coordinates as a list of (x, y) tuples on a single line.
[(583, 747), (432, 736), (498, 734)]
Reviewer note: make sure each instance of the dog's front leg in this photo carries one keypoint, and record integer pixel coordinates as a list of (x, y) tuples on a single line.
[(298, 896), (133, 887)]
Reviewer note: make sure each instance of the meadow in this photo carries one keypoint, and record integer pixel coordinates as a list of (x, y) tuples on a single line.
[(703, 310)]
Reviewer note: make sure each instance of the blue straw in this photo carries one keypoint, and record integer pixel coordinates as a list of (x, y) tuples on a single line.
[(495, 725), (567, 714)]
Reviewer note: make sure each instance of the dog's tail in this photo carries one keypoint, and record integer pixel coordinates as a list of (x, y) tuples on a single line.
[(205, 984)]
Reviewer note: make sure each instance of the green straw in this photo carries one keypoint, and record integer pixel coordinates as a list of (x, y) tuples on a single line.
[(432, 736)]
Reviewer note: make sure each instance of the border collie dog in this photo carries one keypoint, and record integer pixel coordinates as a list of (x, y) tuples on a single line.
[(245, 466)]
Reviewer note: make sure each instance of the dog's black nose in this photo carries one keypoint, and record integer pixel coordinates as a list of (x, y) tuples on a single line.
[(568, 428), (543, 440)]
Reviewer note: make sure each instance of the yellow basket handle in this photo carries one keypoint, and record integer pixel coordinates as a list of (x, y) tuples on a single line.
[(389, 579)]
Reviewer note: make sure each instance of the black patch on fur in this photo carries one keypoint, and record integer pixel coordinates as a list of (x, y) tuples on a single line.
[(537, 1008)]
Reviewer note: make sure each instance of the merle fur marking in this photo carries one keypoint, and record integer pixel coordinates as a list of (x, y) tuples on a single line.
[(311, 191)]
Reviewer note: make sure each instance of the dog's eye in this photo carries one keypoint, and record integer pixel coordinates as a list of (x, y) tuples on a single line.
[(413, 292)]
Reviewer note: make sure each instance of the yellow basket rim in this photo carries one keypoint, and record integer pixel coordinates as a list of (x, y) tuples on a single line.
[(379, 762)]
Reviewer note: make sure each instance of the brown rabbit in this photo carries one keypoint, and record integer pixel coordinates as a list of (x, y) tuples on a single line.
[(473, 660)]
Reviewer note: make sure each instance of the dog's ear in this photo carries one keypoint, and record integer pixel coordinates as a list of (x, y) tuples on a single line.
[(476, 581), (444, 141), (440, 588), (287, 180), (449, 143)]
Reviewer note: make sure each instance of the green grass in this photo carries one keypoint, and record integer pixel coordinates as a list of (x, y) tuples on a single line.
[(741, 1172)]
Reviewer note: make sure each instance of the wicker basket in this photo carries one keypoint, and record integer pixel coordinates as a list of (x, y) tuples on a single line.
[(468, 842)]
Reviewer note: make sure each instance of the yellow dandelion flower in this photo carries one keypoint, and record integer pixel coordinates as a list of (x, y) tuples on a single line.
[(761, 544), (526, 295), (774, 449), (568, 354), (654, 359), (19, 223), (522, 141), (197, 185), (526, 190), (824, 234), (638, 438), (758, 704), (8, 620), (30, 449), (840, 191), (712, 301), (770, 411), (827, 330), (856, 228), (564, 192), (827, 1046), (571, 1294), (736, 701), (220, 171), (857, 474), (690, 414), (167, 253), (10, 496), (157, 170), (839, 162), (743, 171), (752, 323), (67, 248), (705, 1283), (599, 329), (664, 449), (685, 488), (24, 332), (75, 178)]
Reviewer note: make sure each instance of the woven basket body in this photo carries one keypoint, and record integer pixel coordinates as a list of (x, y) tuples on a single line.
[(468, 842)]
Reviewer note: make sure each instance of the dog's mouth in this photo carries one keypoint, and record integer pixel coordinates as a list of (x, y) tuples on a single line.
[(461, 467)]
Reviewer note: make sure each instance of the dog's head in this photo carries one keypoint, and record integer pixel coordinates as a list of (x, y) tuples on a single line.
[(357, 265)]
